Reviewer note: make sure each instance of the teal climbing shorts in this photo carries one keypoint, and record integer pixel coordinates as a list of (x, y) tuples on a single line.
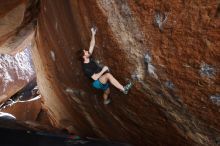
[(98, 85)]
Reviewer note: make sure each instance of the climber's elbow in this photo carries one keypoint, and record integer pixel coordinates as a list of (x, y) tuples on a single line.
[(95, 76)]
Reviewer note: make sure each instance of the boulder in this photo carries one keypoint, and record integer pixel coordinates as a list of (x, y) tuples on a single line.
[(168, 49)]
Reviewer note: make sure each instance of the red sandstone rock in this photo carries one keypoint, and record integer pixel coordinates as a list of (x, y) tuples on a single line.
[(16, 33), (24, 110), (17, 24), (169, 49)]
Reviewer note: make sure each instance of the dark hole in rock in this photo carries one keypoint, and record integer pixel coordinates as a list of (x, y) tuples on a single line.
[(28, 92), (217, 14)]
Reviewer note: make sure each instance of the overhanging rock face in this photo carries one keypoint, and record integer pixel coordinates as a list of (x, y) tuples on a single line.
[(17, 23), (16, 34), (169, 49)]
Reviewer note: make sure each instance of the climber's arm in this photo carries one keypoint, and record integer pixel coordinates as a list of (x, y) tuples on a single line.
[(92, 42), (98, 75)]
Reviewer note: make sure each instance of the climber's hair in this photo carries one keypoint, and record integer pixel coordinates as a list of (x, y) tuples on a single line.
[(80, 54)]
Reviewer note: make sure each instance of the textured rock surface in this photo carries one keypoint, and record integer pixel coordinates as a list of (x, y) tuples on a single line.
[(15, 72), (169, 49), (24, 110), (16, 33)]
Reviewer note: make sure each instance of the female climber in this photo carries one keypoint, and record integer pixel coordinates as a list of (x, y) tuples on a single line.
[(100, 76)]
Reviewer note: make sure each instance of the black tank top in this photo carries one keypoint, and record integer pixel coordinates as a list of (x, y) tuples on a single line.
[(91, 68)]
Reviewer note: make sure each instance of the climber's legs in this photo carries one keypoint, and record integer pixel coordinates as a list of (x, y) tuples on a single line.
[(108, 77), (106, 94)]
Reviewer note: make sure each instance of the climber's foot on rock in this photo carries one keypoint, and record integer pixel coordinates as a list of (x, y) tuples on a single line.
[(107, 101), (127, 88)]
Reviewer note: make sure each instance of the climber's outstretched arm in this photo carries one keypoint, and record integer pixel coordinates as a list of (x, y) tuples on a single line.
[(92, 42)]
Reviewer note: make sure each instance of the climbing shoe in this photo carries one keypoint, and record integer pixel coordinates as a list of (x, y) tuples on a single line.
[(127, 88), (107, 101)]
